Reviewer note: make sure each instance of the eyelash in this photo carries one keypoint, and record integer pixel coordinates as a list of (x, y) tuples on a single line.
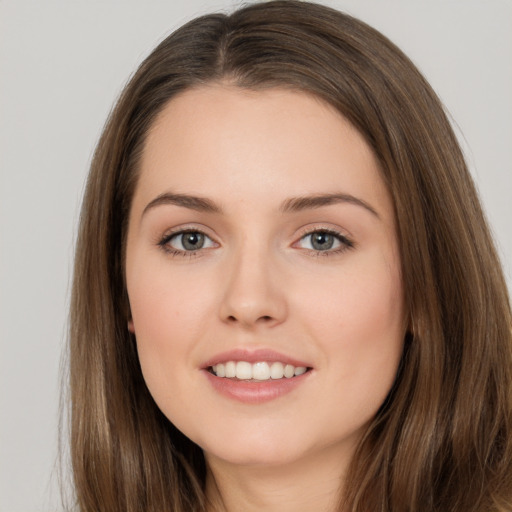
[(164, 243), (345, 242)]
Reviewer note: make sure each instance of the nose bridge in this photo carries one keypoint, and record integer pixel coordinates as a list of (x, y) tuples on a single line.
[(252, 294)]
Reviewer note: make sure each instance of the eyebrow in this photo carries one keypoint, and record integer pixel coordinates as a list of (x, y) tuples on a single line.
[(200, 204), (294, 204), (297, 204)]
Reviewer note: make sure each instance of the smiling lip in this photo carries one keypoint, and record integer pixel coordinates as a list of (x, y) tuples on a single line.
[(253, 356), (254, 392)]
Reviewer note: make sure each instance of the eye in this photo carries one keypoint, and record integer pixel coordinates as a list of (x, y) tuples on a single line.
[(324, 241), (187, 241)]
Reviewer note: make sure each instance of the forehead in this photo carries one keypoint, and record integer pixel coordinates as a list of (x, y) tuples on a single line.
[(226, 141)]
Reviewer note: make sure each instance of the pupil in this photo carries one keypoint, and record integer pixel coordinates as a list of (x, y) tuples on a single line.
[(322, 241), (193, 241)]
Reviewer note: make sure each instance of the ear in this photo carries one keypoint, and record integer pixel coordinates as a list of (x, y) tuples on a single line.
[(131, 327)]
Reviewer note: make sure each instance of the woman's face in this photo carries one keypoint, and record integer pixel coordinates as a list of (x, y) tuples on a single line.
[(261, 245)]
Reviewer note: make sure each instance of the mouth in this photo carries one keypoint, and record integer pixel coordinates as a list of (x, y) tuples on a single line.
[(256, 376), (259, 371)]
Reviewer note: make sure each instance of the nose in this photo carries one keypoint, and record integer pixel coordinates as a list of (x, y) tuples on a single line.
[(253, 291)]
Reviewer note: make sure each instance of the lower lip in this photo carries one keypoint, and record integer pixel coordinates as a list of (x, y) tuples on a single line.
[(254, 392)]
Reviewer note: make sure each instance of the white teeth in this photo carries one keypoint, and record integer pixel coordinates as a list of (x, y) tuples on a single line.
[(230, 369), (243, 370), (277, 371), (289, 371), (261, 371), (220, 371)]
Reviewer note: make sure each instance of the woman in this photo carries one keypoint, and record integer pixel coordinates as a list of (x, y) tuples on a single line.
[(286, 295)]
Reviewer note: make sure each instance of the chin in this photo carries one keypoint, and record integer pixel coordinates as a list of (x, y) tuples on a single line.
[(253, 449), (254, 456)]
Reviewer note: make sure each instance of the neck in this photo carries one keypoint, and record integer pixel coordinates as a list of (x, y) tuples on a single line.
[(313, 483)]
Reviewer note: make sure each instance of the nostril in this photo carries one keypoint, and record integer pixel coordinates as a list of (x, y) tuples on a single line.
[(263, 318)]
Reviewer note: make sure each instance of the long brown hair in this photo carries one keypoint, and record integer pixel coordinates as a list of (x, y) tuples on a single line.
[(442, 441)]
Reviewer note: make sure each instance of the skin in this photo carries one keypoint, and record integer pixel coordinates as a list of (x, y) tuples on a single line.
[(259, 283)]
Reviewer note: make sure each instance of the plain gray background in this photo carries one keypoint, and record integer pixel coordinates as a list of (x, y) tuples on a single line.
[(62, 63)]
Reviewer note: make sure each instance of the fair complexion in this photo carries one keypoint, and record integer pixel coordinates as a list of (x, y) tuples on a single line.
[(261, 232)]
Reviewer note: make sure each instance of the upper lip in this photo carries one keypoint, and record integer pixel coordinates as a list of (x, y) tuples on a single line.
[(253, 356)]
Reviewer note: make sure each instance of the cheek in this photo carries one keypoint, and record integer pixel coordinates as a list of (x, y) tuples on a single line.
[(167, 309), (363, 297), (163, 299), (359, 323)]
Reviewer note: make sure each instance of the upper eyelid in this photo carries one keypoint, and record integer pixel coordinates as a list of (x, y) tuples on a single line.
[(341, 238), (308, 230), (165, 244), (346, 240), (169, 233), (302, 232)]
